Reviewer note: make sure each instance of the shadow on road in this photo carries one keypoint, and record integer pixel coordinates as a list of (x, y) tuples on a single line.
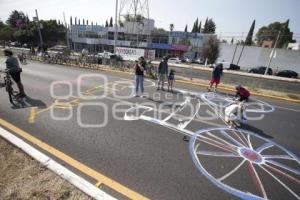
[(255, 130), (28, 102)]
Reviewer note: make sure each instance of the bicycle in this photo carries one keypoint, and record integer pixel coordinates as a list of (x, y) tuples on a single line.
[(8, 86)]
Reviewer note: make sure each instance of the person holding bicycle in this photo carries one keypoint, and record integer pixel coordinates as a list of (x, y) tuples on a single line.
[(12, 65)]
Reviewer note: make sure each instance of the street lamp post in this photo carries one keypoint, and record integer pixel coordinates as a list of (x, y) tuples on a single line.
[(272, 53), (116, 27)]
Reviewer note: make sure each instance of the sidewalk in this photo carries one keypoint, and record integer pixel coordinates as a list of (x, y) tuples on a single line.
[(22, 177)]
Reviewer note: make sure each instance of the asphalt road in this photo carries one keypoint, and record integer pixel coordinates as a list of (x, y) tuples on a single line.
[(85, 120)]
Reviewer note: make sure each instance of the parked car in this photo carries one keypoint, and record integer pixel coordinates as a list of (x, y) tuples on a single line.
[(197, 61), (287, 73), (174, 60), (225, 65), (260, 70), (186, 60), (234, 67)]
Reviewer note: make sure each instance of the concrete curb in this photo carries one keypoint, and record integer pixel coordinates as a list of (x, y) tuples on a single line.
[(57, 168)]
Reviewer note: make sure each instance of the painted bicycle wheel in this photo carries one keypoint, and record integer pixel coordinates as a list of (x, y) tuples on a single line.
[(223, 100), (245, 164)]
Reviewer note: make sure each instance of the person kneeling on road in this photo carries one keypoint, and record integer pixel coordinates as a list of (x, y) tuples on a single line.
[(233, 114), (242, 95), (15, 70)]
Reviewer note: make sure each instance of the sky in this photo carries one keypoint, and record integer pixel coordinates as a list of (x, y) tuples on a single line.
[(232, 17)]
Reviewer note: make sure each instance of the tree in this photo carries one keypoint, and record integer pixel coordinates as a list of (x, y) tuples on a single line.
[(2, 25), (205, 25), (199, 27), (6, 32), (111, 22), (211, 50), (16, 20), (248, 41), (171, 27), (106, 23), (185, 29), (196, 26), (270, 32), (71, 22), (193, 29), (209, 26)]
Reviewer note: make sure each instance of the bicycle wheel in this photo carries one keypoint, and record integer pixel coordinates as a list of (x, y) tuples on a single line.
[(9, 90), (245, 164)]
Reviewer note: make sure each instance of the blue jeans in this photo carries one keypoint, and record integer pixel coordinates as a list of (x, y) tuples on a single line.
[(139, 82)]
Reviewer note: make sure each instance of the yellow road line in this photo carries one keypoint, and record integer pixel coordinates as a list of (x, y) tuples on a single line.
[(74, 163), (98, 184), (32, 115)]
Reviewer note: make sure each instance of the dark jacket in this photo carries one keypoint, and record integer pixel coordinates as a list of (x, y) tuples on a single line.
[(217, 72), (163, 67)]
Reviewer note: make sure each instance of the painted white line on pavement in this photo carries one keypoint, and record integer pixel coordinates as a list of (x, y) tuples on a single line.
[(60, 170)]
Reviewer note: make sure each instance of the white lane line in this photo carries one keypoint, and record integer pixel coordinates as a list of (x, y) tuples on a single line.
[(60, 170)]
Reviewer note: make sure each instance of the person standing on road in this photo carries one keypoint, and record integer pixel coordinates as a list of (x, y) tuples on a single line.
[(15, 70), (171, 80), (162, 73), (139, 76), (216, 76)]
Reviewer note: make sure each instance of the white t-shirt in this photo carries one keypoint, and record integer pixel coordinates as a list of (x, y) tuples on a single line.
[(231, 112)]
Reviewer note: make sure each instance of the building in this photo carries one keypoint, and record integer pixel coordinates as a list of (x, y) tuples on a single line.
[(137, 34)]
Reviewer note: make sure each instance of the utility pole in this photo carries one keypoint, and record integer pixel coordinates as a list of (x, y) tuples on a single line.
[(116, 27), (241, 54), (241, 50), (39, 29), (272, 53), (234, 53)]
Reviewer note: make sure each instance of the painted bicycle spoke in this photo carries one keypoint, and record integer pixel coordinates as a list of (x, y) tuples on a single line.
[(283, 174), (230, 147), (279, 181), (220, 139), (239, 138), (218, 145), (283, 166), (249, 141), (264, 146), (257, 180), (216, 153), (224, 133), (232, 171), (278, 156)]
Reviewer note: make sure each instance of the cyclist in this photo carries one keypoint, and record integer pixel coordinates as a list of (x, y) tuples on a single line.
[(15, 70)]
